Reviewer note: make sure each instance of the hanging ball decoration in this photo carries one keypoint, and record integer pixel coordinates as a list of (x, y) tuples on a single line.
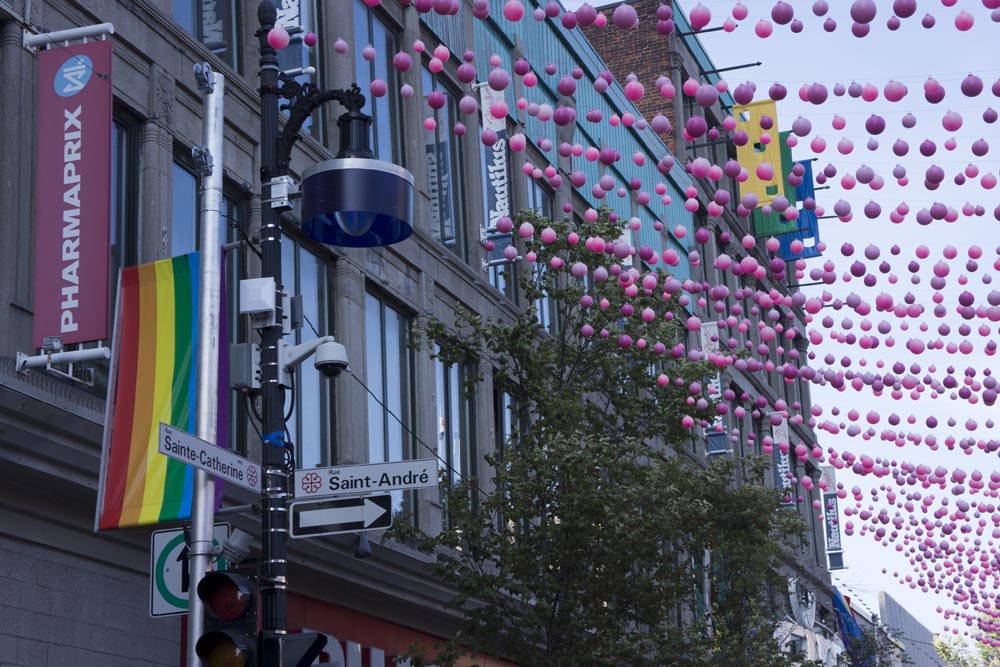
[(634, 90), (498, 79), (904, 9), (743, 93), (952, 121), (480, 9), (340, 46), (706, 95), (928, 21), (909, 121), (894, 91), (782, 13), (777, 92), (863, 11), (964, 21), (860, 29), (820, 8), (875, 124), (466, 73), (625, 17), (763, 29), (990, 115), (310, 39), (817, 93), (700, 16), (830, 25), (513, 10), (402, 62), (278, 38), (378, 88), (586, 15), (972, 85)]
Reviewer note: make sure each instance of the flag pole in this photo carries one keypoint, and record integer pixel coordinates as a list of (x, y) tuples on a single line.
[(209, 157)]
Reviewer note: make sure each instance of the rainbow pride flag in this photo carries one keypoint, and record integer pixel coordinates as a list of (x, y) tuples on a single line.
[(154, 379)]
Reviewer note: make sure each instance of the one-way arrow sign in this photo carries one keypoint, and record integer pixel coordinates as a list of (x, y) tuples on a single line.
[(343, 515)]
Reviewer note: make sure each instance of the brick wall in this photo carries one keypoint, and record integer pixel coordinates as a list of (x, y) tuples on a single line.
[(60, 610), (643, 52)]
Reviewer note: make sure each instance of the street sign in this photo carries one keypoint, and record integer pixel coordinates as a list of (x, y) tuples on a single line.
[(341, 515), (366, 478), (217, 461), (169, 580)]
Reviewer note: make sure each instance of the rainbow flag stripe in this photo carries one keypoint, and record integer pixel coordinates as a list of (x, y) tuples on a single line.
[(155, 380)]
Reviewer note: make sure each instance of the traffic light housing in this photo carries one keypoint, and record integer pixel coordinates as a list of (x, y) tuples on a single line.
[(230, 633), (297, 649)]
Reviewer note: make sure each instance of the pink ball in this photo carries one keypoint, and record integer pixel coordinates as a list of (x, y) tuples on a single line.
[(763, 28), (278, 38), (700, 16), (513, 10), (310, 39)]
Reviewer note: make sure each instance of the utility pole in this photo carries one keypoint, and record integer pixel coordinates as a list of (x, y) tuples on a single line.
[(209, 158)]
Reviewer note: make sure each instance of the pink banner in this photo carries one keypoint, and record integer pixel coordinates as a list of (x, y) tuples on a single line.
[(73, 193)]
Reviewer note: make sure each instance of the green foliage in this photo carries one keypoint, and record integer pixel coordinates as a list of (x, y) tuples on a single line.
[(876, 646), (956, 652), (589, 547)]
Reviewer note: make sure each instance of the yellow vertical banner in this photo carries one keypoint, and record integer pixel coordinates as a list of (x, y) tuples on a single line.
[(754, 152)]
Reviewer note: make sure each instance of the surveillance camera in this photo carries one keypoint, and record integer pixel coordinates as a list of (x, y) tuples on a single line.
[(330, 359)]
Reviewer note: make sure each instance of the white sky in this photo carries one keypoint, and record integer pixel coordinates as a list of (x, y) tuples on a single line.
[(909, 55)]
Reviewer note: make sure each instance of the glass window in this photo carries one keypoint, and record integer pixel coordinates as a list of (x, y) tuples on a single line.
[(389, 364), (310, 404), (539, 199), (444, 169), (213, 22), (302, 14), (183, 211), (455, 421), (386, 130)]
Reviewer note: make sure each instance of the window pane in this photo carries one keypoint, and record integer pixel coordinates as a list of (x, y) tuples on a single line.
[(310, 389), (443, 156), (299, 13), (385, 131), (213, 22), (184, 202), (374, 373)]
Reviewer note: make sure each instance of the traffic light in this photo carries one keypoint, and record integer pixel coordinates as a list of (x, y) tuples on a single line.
[(290, 650), (230, 634)]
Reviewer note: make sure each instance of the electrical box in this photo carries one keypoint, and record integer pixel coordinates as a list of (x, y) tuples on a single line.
[(244, 367)]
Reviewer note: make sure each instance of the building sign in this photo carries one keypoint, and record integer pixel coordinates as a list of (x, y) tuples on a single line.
[(710, 345), (782, 461), (73, 193), (831, 517), (496, 171)]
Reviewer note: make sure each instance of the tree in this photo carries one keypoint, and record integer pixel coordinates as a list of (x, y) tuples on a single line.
[(985, 653), (605, 539)]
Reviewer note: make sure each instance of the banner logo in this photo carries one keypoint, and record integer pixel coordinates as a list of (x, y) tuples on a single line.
[(73, 76)]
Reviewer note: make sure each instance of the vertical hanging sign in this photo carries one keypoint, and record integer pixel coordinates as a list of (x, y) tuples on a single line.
[(498, 188), (73, 193)]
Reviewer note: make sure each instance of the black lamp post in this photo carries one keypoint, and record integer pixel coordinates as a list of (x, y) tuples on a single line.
[(353, 200)]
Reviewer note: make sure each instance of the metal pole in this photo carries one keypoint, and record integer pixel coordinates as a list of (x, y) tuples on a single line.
[(273, 607), (207, 406)]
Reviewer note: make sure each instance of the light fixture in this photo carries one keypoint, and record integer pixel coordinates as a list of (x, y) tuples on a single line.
[(356, 200)]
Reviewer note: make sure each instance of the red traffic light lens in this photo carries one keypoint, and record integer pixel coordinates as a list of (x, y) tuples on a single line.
[(227, 596), (221, 649)]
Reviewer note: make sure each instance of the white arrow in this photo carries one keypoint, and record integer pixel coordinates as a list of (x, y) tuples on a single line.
[(368, 513)]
